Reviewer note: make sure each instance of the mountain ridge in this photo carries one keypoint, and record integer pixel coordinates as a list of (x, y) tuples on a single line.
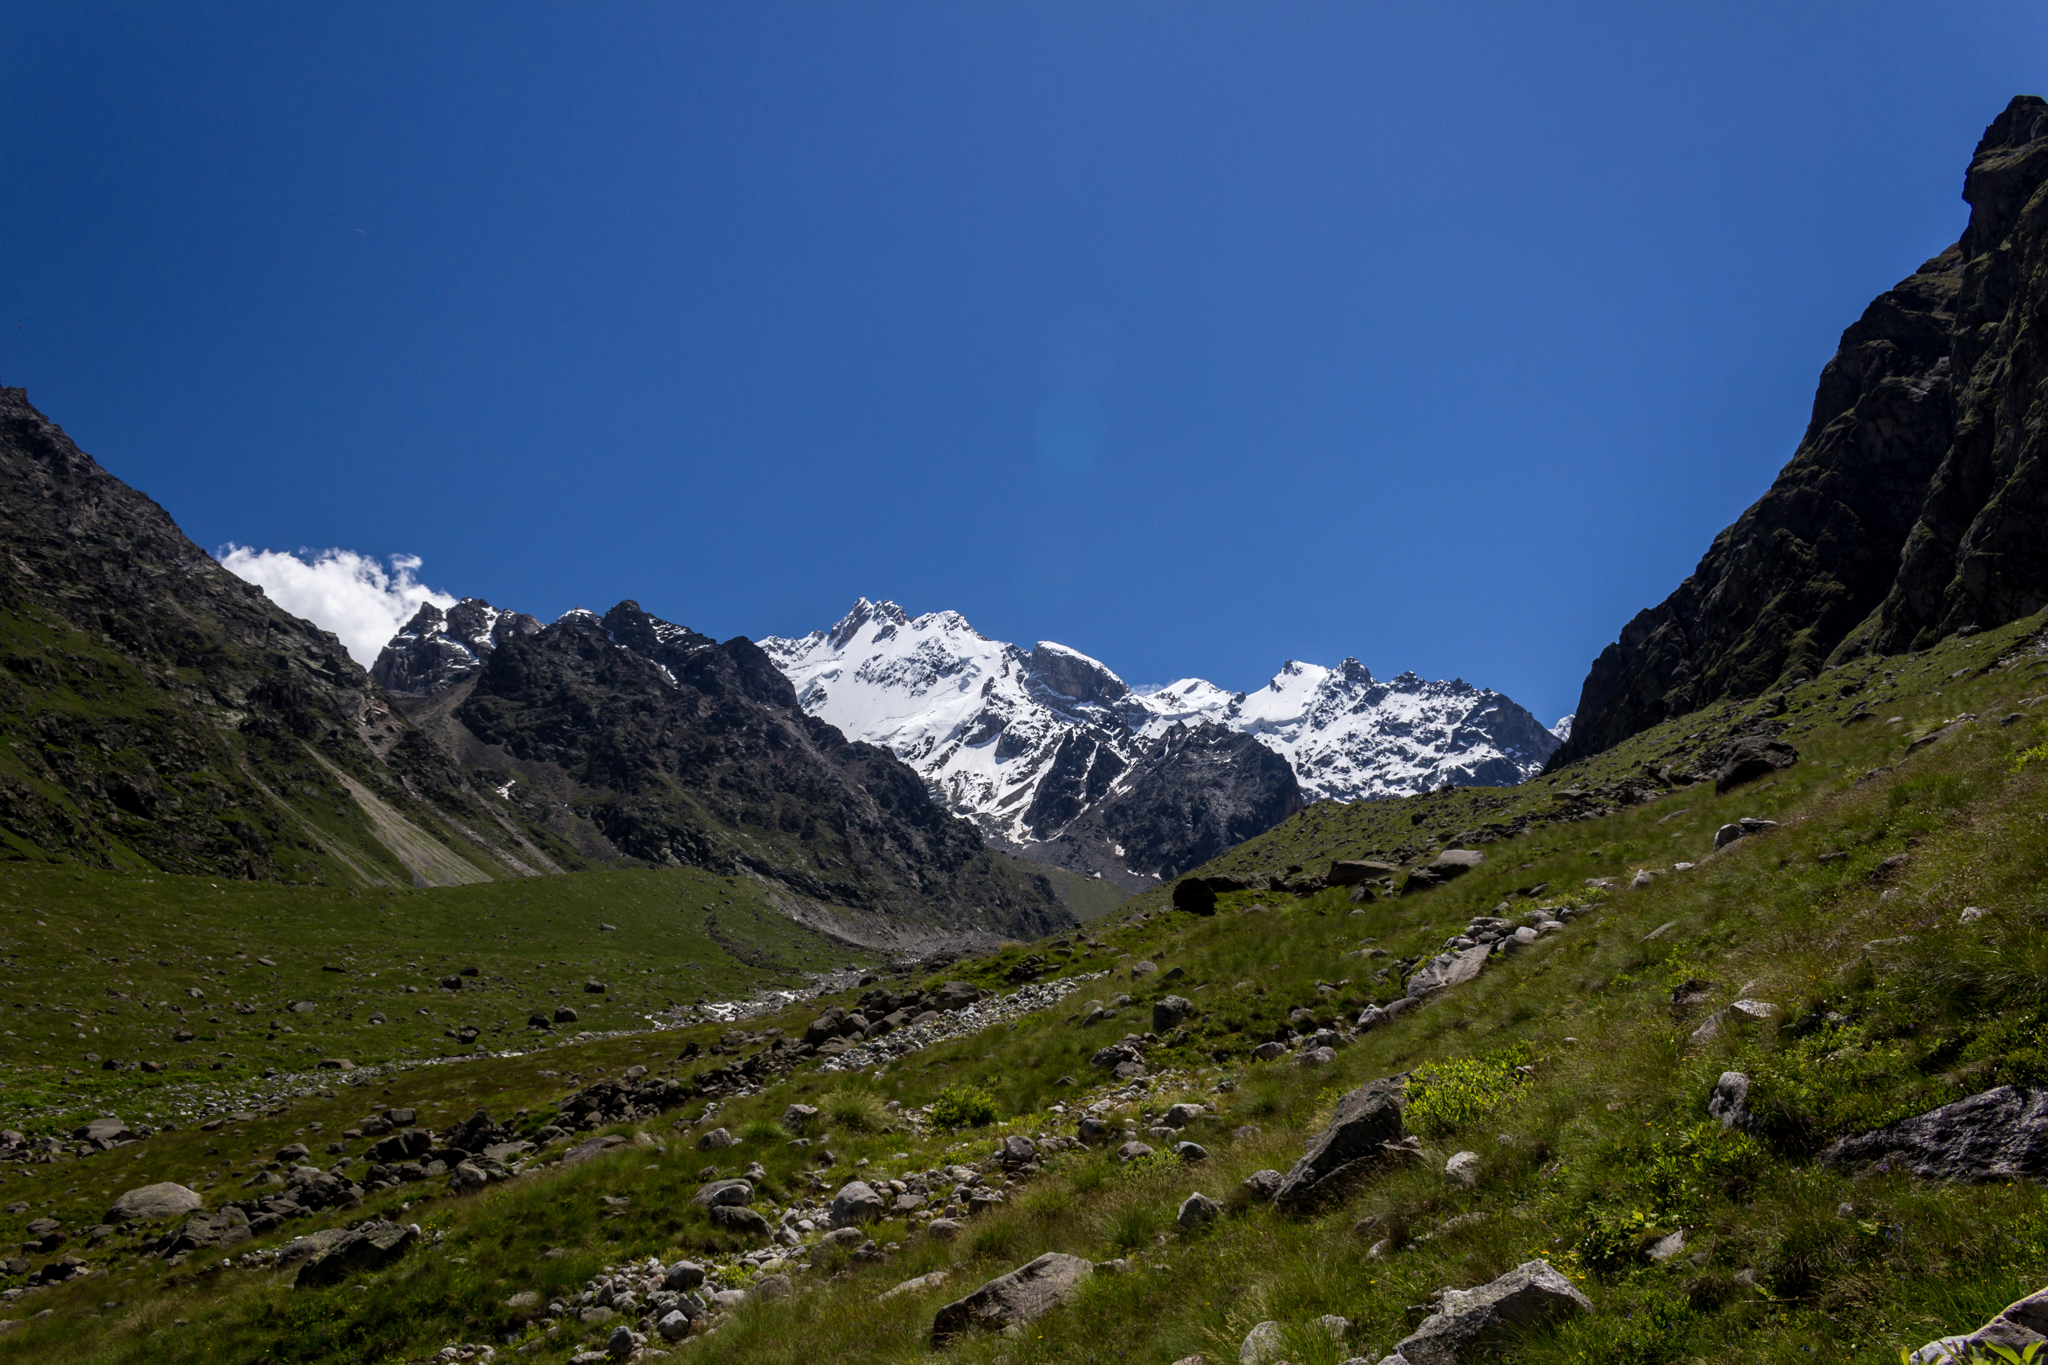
[(1027, 742), (1911, 509)]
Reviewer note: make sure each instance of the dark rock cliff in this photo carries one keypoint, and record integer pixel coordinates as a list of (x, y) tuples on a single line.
[(1188, 796), (157, 711), (1915, 506), (682, 750)]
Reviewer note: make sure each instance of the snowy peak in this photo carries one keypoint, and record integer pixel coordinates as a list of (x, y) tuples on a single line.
[(437, 648), (1029, 744)]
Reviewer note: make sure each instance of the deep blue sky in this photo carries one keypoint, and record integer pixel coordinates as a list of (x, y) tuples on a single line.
[(1194, 336)]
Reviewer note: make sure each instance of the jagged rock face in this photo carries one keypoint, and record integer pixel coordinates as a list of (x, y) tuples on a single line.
[(158, 706), (1915, 503), (683, 750), (1193, 793), (1053, 755), (438, 649)]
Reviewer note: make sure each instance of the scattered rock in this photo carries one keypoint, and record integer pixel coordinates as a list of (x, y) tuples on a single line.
[(1168, 1014), (369, 1247), (915, 1286), (1263, 1184), (717, 1140), (154, 1203), (1530, 1295), (857, 1203), (1367, 1120), (2000, 1134), (1197, 1211), (737, 1218), (2018, 1326), (723, 1192), (1023, 1295), (1131, 1151), (1195, 896), (1463, 1169), (1447, 970), (1730, 1101), (1736, 1016), (598, 1146), (1750, 758)]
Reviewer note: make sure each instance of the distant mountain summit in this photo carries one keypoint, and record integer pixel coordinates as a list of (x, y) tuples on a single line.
[(1055, 755), (1913, 508)]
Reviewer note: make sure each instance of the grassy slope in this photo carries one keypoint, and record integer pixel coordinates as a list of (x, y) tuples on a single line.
[(1608, 1145)]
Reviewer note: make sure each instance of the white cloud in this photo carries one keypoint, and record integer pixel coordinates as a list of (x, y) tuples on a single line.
[(352, 595)]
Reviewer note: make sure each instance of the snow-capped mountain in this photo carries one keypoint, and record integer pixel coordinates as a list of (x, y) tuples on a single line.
[(1027, 743), (1350, 736), (438, 648)]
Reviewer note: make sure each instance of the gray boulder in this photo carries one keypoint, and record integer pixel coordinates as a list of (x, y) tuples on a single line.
[(1023, 1295), (370, 1247), (2017, 1327), (1730, 1101), (723, 1192), (154, 1203), (1751, 758), (1530, 1295), (1263, 1184), (798, 1117), (1197, 1211), (737, 1218), (595, 1147), (2000, 1134), (1448, 969), (1367, 1120), (957, 995), (717, 1140), (682, 1275), (1168, 1014), (856, 1203)]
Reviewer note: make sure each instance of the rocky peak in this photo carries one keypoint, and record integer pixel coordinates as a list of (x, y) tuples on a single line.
[(1062, 675), (438, 649), (1913, 505)]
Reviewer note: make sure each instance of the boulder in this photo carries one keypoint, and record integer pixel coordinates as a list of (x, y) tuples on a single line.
[(856, 1203), (2018, 1326), (370, 1247), (1751, 758), (154, 1203), (717, 1140), (1263, 1184), (1448, 969), (594, 1147), (102, 1130), (723, 1192), (1195, 896), (1352, 871), (1739, 1015), (2000, 1134), (957, 995), (798, 1117), (1131, 1151), (682, 1275), (1463, 1169), (1730, 1101), (737, 1218), (1367, 1119), (1181, 1115), (1169, 1013), (1197, 1211), (1023, 1295), (1530, 1295)]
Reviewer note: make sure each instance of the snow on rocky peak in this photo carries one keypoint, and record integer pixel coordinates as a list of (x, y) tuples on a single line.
[(1350, 736), (1563, 728), (1008, 738), (437, 648)]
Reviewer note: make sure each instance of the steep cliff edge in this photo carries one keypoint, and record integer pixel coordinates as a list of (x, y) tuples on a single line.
[(1913, 507)]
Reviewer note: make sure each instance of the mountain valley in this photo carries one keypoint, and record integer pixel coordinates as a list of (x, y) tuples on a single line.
[(596, 991)]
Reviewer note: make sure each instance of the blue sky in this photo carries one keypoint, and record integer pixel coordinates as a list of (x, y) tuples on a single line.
[(1195, 336)]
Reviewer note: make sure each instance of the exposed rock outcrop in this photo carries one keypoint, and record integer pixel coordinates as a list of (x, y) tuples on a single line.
[(1913, 506)]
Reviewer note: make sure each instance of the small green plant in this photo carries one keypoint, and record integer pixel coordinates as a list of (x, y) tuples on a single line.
[(1990, 1354), (1149, 1165), (760, 1130), (860, 1110), (964, 1106), (1445, 1096), (2025, 757)]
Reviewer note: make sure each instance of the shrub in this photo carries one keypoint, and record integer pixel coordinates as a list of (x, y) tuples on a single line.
[(964, 1106), (860, 1110), (760, 1130), (1445, 1096)]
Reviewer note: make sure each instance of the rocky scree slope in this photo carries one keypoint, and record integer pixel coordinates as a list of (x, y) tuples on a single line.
[(161, 713), (1912, 509), (639, 738), (1055, 756)]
